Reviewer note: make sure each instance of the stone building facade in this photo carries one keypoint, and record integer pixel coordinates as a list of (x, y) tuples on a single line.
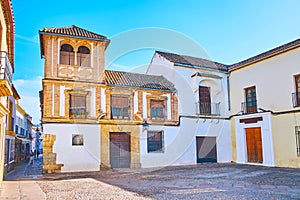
[(93, 118)]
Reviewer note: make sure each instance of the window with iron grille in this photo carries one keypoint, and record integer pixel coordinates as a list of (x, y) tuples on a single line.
[(120, 107), (297, 128), (77, 106), (83, 56), (296, 95), (67, 55), (155, 141), (157, 110)]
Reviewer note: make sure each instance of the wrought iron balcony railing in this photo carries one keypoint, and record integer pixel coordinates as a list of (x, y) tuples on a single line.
[(207, 108), (5, 68), (249, 107), (296, 99)]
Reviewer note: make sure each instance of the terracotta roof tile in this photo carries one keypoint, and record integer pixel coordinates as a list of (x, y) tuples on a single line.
[(144, 81), (192, 61), (73, 31)]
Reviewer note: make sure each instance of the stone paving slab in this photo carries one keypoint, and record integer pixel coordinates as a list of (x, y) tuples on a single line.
[(203, 181), (27, 190)]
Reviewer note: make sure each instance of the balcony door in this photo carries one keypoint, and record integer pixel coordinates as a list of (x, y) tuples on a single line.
[(204, 100), (251, 104), (297, 81)]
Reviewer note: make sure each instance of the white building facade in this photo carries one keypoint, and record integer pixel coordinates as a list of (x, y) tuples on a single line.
[(203, 133), (265, 104)]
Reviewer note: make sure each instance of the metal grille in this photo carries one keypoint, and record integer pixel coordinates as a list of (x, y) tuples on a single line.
[(205, 108), (297, 131)]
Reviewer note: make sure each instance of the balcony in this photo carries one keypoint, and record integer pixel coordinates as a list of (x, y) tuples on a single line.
[(296, 99), (5, 75), (249, 107), (207, 108)]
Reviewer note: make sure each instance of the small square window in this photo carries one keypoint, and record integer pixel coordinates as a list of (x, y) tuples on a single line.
[(77, 140)]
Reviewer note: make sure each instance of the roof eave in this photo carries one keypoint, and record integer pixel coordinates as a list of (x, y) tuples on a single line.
[(122, 86), (200, 67), (72, 36), (233, 68), (41, 44), (107, 41)]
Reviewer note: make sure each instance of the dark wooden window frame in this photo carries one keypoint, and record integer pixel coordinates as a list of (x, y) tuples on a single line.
[(297, 91), (157, 112), (155, 142), (78, 111), (119, 112), (83, 56), (251, 101), (204, 100), (67, 51)]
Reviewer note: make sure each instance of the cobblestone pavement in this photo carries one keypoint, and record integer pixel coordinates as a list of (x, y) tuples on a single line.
[(202, 181), (26, 170)]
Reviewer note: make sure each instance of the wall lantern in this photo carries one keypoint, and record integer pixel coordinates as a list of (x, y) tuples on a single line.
[(145, 125)]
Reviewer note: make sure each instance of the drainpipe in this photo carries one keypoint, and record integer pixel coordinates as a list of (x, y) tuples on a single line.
[(228, 92)]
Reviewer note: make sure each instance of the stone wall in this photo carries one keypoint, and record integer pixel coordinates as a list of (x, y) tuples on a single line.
[(49, 158)]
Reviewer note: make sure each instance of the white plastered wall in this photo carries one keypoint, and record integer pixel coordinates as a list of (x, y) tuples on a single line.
[(180, 141), (76, 158)]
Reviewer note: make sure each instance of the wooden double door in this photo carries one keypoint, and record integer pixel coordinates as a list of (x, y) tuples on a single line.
[(120, 150), (254, 145)]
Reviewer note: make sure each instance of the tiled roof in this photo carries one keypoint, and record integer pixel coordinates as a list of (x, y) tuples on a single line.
[(192, 61), (74, 31), (143, 81), (267, 54)]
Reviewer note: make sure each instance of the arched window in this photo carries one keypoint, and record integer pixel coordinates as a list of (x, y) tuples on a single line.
[(83, 56), (67, 54)]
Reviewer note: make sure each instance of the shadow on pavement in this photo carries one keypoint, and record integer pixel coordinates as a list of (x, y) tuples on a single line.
[(26, 170)]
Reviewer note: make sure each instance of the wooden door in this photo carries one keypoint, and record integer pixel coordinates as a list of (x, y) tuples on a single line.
[(120, 150), (204, 100), (206, 149), (251, 104), (254, 145), (297, 81)]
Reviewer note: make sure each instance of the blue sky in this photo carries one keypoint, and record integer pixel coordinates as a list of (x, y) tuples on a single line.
[(229, 31)]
